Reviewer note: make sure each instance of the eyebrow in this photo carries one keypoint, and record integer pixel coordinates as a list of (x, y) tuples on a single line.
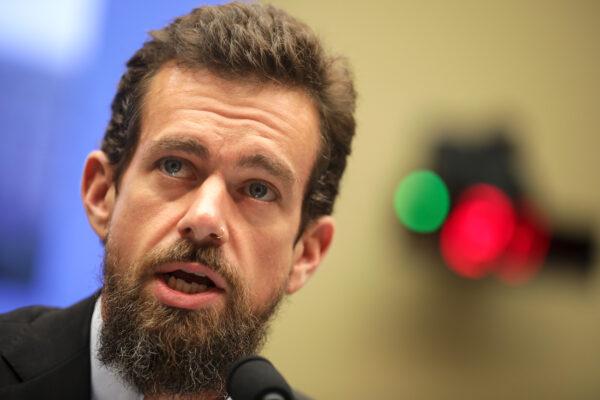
[(272, 166), (180, 144)]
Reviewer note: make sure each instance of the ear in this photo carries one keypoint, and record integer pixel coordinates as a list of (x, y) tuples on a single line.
[(98, 191), (309, 251)]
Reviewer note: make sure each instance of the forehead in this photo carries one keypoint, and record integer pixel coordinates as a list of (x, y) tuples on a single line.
[(218, 111)]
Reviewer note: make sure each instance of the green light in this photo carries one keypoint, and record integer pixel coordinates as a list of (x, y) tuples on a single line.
[(421, 201)]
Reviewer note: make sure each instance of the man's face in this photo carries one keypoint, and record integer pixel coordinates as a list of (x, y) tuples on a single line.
[(220, 165)]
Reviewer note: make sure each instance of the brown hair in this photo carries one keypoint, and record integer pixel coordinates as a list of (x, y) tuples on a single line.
[(238, 40)]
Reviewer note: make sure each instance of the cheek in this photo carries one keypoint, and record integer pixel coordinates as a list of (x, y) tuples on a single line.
[(272, 253), (138, 223)]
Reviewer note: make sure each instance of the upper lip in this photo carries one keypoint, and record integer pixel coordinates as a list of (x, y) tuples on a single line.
[(194, 268)]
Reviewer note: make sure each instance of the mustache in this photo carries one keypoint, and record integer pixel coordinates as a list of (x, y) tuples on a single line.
[(186, 251)]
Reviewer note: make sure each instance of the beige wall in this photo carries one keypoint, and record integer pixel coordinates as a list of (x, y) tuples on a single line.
[(382, 318)]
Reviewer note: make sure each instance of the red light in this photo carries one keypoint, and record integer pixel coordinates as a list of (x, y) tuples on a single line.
[(527, 249), (477, 231)]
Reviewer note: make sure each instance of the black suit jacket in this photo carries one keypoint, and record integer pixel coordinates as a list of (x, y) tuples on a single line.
[(45, 353)]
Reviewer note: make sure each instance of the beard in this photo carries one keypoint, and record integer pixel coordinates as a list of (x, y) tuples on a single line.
[(170, 351)]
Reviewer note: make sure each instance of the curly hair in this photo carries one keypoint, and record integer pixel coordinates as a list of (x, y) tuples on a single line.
[(235, 41)]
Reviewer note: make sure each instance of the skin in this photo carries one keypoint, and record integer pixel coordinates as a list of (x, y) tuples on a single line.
[(229, 140)]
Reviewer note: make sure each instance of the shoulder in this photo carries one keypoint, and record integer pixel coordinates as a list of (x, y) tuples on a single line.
[(17, 325), (25, 315), (44, 322), (37, 320)]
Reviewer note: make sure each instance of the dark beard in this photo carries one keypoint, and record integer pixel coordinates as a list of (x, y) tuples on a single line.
[(164, 350)]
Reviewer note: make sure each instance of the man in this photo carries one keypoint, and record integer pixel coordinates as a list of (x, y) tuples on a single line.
[(212, 194)]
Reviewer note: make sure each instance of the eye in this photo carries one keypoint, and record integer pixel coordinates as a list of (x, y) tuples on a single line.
[(260, 191), (174, 167)]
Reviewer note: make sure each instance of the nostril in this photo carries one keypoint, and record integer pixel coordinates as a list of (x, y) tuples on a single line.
[(186, 232), (215, 236)]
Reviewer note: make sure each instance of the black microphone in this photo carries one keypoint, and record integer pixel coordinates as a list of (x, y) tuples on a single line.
[(255, 378)]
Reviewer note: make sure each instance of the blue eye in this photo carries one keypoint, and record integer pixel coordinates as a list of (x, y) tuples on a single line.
[(171, 166), (260, 191)]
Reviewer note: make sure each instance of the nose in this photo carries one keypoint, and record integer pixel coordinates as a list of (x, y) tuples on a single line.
[(204, 221)]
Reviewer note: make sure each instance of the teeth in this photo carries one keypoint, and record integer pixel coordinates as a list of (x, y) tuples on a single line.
[(182, 286), (201, 288)]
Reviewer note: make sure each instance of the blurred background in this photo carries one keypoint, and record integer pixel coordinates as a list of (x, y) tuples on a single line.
[(491, 106)]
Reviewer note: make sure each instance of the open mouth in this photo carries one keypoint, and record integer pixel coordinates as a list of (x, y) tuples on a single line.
[(188, 282)]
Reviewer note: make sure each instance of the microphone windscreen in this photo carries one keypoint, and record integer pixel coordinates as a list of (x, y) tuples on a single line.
[(255, 378)]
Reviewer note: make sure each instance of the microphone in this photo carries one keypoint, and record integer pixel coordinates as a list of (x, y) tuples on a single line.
[(255, 378)]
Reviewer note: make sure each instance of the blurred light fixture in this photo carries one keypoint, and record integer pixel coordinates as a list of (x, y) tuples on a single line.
[(492, 228)]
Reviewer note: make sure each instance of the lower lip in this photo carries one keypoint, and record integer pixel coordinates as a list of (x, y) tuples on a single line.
[(177, 299)]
